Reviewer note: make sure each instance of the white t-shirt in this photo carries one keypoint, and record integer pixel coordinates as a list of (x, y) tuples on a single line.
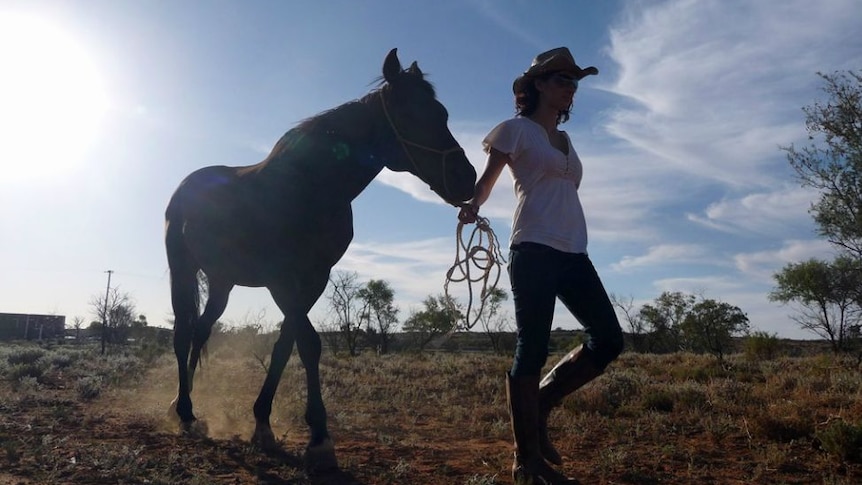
[(546, 185)]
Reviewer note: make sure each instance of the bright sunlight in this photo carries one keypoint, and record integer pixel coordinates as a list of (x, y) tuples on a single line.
[(51, 99)]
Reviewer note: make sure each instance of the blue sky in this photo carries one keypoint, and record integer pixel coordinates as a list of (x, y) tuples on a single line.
[(109, 104)]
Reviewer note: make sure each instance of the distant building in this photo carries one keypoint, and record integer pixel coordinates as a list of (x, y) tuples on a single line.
[(23, 326)]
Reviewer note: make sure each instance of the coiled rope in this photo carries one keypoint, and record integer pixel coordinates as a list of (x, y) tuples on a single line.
[(477, 260)]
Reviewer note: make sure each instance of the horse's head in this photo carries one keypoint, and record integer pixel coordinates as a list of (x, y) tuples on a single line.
[(420, 140)]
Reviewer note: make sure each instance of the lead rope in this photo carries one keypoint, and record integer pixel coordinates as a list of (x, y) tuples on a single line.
[(481, 252)]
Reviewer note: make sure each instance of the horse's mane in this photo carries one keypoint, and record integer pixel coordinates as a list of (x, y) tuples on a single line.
[(319, 123)]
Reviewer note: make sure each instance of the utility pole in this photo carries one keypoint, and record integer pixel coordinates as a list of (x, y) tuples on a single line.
[(108, 290), (105, 312)]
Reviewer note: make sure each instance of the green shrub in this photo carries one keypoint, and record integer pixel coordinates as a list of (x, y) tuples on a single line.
[(842, 440), (620, 387), (690, 395), (658, 400), (27, 355), (482, 480), (27, 384), (62, 360), (784, 422), (34, 370), (699, 370), (89, 387), (761, 346)]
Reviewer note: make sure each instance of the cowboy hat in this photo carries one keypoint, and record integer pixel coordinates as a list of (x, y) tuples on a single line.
[(554, 60)]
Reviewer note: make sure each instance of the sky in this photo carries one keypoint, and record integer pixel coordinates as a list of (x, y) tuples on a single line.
[(105, 106)]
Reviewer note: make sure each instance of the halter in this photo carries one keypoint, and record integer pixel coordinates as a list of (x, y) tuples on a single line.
[(405, 143)]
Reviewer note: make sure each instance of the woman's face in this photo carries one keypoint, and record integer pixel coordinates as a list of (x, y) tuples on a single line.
[(557, 90)]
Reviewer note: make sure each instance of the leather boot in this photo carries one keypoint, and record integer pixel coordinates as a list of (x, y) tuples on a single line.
[(570, 374), (529, 467)]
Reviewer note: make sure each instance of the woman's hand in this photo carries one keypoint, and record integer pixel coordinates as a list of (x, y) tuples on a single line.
[(469, 213), (496, 161)]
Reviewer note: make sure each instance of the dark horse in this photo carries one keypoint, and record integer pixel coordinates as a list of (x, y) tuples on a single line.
[(286, 221)]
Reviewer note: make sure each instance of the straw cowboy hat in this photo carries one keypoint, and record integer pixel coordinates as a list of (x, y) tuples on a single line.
[(554, 60)]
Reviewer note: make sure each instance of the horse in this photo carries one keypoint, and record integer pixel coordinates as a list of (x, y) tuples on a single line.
[(284, 222)]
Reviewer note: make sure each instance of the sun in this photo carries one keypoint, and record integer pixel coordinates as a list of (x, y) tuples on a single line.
[(52, 99)]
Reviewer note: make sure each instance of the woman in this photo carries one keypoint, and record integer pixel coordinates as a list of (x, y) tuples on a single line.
[(548, 257)]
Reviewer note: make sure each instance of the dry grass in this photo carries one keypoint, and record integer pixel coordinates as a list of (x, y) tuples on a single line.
[(433, 418)]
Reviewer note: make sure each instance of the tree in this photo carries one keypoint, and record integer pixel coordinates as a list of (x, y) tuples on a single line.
[(711, 325), (635, 320), (77, 324), (115, 311), (680, 321), (331, 334), (494, 324), (121, 319), (139, 325), (826, 295), (834, 166), (380, 313), (664, 318), (346, 307), (256, 335), (440, 316)]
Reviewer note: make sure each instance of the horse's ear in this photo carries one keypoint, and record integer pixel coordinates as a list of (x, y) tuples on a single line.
[(391, 66), (414, 69)]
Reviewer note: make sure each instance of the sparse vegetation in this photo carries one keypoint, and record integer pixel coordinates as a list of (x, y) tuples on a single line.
[(428, 418)]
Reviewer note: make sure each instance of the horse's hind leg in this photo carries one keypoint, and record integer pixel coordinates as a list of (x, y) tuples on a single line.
[(217, 297), (185, 305)]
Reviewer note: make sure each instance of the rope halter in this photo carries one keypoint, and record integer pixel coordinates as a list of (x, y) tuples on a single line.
[(408, 143)]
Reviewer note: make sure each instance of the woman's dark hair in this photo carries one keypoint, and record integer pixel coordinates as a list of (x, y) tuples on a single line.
[(527, 100)]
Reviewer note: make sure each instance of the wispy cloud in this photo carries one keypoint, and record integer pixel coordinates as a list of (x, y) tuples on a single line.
[(717, 86), (664, 254), (619, 195), (506, 22), (761, 265), (699, 285), (765, 213)]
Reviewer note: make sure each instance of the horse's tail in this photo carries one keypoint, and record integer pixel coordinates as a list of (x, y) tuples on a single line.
[(185, 296)]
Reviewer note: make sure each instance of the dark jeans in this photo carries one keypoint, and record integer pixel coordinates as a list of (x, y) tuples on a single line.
[(539, 275)]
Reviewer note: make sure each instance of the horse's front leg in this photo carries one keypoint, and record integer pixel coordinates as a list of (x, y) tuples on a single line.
[(320, 453), (263, 435)]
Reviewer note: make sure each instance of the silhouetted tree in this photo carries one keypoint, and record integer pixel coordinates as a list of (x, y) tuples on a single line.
[(379, 312), (711, 325), (826, 295), (346, 308), (494, 323), (77, 324), (116, 312), (636, 322), (664, 318), (439, 317), (832, 163)]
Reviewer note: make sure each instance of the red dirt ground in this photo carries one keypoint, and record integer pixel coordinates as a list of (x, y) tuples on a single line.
[(53, 437)]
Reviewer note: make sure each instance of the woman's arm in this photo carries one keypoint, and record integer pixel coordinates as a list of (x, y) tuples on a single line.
[(493, 168)]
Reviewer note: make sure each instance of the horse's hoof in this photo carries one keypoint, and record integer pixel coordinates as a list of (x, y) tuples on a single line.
[(321, 457), (264, 438), (196, 428)]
